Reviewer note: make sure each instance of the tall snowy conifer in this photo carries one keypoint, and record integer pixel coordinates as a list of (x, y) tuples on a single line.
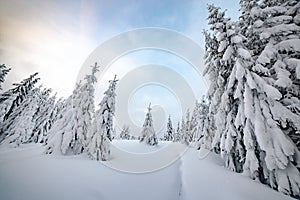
[(71, 132), (216, 69), (170, 132), (42, 117), (186, 131), (182, 130), (84, 111), (148, 134), (251, 139), (99, 147), (230, 110), (60, 134), (278, 26), (202, 133), (176, 137)]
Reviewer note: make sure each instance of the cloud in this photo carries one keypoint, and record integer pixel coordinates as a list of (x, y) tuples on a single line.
[(29, 44), (59, 35)]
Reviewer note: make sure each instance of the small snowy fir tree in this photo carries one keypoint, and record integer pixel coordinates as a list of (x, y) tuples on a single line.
[(124, 135), (182, 131), (3, 72), (187, 136), (205, 139), (170, 132), (148, 134), (176, 137), (99, 147)]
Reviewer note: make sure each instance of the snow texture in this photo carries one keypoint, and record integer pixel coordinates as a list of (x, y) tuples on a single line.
[(27, 173)]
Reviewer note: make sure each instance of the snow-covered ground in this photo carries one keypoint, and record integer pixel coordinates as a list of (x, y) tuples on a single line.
[(26, 173)]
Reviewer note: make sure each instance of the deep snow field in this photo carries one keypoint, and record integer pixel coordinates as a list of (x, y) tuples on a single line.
[(135, 172)]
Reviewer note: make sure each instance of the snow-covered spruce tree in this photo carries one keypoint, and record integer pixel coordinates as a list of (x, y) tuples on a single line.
[(195, 122), (231, 120), (55, 115), (170, 132), (270, 154), (202, 134), (84, 111), (3, 72), (43, 117), (72, 129), (59, 136), (215, 68), (12, 98), (182, 130), (219, 109), (99, 146), (251, 140), (176, 137), (107, 108), (187, 136), (18, 128), (148, 133), (278, 26), (216, 87), (124, 135), (198, 120)]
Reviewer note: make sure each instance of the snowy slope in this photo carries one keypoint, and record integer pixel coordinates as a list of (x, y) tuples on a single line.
[(26, 173), (208, 179)]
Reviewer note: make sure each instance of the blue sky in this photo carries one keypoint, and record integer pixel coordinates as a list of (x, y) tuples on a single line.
[(55, 38)]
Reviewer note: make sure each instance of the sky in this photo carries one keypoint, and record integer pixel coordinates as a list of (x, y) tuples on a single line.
[(55, 38)]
